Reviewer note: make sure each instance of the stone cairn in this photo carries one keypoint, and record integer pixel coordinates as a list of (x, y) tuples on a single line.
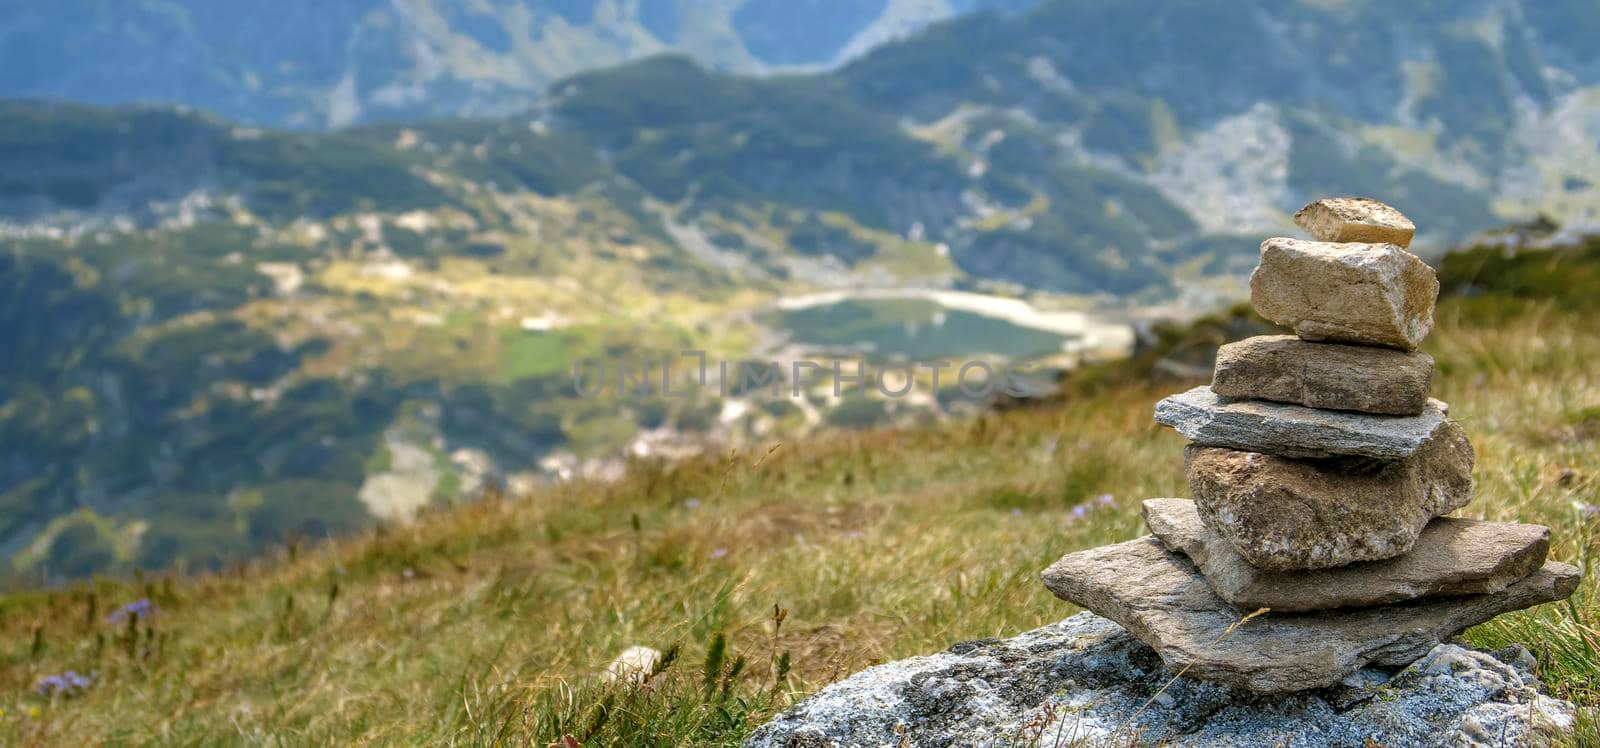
[(1320, 469)]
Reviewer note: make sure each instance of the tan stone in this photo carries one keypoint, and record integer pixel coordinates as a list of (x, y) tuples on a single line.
[(1162, 599), (1355, 219), (1283, 514), (1451, 557), (1373, 294), (634, 665), (1284, 368)]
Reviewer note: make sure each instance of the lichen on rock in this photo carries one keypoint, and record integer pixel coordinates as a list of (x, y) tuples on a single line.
[(1086, 682)]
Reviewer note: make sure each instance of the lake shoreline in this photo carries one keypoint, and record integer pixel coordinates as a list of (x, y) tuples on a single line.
[(1097, 333)]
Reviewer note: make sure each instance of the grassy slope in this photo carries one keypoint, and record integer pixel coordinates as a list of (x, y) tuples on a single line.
[(488, 622)]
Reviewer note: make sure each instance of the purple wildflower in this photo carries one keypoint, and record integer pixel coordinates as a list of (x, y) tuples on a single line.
[(692, 503), (140, 609), (719, 553), (51, 685), (1080, 510), (1106, 499), (1016, 512), (69, 683)]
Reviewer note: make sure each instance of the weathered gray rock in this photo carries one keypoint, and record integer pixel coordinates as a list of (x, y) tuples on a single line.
[(1162, 598), (1375, 294), (1286, 369), (1355, 219), (1451, 557), (1086, 682), (1283, 514), (1295, 430)]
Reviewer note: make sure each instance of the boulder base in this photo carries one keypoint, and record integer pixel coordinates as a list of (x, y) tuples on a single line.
[(1282, 514), (1355, 219), (1373, 294), (1295, 430), (1085, 682), (1451, 557), (1286, 369), (1164, 601)]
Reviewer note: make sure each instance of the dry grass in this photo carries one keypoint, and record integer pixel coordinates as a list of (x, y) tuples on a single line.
[(487, 623)]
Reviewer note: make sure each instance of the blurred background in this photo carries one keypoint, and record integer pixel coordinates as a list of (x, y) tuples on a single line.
[(277, 271)]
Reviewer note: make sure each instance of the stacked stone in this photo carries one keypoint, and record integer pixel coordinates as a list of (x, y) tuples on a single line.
[(1320, 471)]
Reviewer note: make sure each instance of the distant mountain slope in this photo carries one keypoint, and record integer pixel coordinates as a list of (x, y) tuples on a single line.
[(1239, 110), (224, 336), (1091, 145), (318, 63)]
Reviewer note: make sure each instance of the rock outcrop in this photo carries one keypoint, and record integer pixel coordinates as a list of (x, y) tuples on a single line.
[(1085, 682)]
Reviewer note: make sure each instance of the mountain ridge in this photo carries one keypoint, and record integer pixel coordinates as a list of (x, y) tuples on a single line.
[(316, 64)]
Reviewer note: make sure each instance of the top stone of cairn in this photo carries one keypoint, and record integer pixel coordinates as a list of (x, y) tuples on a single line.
[(1355, 219)]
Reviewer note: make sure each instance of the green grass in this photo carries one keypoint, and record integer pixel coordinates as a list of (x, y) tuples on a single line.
[(488, 623), (527, 354)]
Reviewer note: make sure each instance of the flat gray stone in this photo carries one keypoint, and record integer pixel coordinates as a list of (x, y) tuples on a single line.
[(1164, 601), (1295, 430), (1355, 219), (1286, 369), (1451, 557), (1373, 294), (1284, 514), (1086, 683)]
